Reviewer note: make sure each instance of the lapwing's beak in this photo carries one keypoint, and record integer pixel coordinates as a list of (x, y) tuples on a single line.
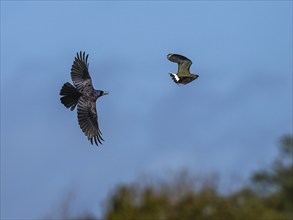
[(105, 93)]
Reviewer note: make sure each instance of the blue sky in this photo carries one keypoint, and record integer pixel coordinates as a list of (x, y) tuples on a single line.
[(228, 121)]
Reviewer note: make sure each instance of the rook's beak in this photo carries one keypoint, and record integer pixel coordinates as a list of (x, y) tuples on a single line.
[(105, 92)]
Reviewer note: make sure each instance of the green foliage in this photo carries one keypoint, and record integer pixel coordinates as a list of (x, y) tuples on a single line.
[(276, 183), (268, 198), (202, 205)]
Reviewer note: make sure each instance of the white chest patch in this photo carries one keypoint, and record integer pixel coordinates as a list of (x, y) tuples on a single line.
[(175, 76)]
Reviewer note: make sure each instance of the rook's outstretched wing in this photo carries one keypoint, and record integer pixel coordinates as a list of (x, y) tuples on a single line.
[(79, 71), (183, 62), (88, 120)]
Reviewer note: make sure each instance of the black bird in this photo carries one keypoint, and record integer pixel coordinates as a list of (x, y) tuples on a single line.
[(84, 96), (183, 75)]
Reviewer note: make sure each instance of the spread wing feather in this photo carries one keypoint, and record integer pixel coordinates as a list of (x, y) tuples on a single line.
[(183, 62), (79, 71), (88, 120)]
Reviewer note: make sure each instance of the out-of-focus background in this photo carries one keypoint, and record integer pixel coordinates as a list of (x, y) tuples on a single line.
[(197, 149)]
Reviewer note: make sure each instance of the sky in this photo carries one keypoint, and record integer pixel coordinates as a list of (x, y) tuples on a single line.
[(228, 121)]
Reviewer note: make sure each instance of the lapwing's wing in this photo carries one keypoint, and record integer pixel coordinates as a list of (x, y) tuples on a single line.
[(88, 120), (183, 63)]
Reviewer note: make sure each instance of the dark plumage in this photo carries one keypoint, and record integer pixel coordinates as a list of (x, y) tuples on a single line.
[(83, 95), (183, 75)]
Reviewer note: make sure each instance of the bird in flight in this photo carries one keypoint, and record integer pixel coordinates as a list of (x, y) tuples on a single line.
[(183, 75), (83, 95)]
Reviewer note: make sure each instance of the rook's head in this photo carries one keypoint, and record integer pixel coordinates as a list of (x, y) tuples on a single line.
[(101, 92)]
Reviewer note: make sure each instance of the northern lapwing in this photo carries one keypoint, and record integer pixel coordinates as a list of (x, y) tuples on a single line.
[(183, 75)]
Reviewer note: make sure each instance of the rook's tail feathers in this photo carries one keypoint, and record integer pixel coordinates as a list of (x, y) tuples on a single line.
[(70, 96)]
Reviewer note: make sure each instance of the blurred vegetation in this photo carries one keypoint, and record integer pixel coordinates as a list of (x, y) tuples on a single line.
[(268, 196), (274, 186)]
